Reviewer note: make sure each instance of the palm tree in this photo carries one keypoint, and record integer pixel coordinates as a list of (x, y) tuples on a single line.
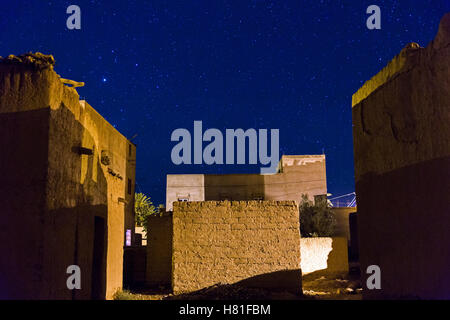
[(144, 208)]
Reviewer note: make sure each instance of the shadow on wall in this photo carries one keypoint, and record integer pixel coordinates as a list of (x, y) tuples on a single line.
[(49, 220), (77, 236), (354, 243), (134, 267), (159, 250), (76, 178), (285, 284)]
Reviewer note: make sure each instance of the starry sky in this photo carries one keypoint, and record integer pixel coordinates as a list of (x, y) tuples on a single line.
[(151, 67)]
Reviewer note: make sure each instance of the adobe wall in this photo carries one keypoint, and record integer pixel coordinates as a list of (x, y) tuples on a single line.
[(234, 187), (327, 255), (255, 243), (69, 186), (159, 250), (182, 185), (47, 125), (342, 228), (300, 175), (401, 132), (23, 175)]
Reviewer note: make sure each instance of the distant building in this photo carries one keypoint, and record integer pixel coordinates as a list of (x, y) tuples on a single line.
[(297, 175), (67, 185), (142, 235)]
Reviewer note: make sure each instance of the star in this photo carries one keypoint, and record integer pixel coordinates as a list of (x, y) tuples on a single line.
[(291, 66)]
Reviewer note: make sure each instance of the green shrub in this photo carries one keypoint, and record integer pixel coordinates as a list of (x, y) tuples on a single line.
[(128, 295), (123, 295), (316, 219)]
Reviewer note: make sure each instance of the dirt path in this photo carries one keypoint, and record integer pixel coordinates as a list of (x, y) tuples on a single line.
[(316, 286)]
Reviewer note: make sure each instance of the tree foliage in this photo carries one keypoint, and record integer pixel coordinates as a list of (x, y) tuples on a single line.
[(144, 208), (316, 219)]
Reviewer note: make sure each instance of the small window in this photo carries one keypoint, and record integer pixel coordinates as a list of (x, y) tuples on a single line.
[(183, 197), (130, 186)]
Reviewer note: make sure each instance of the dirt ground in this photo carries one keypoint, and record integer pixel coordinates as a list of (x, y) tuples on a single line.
[(316, 286), (332, 287)]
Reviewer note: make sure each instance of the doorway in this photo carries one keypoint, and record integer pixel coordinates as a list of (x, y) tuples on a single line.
[(98, 289)]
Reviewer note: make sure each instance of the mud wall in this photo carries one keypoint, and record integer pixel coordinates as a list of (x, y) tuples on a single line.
[(401, 132), (23, 177), (342, 228), (66, 195), (328, 255), (255, 243)]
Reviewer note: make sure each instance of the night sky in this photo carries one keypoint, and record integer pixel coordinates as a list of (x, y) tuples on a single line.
[(151, 67)]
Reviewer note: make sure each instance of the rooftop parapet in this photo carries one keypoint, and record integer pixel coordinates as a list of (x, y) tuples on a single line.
[(402, 62), (408, 58), (29, 82), (37, 61)]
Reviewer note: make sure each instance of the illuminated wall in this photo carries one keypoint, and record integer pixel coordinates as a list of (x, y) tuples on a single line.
[(65, 173), (401, 132)]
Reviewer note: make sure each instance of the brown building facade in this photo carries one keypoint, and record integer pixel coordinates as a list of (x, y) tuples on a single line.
[(401, 132), (67, 180), (297, 175)]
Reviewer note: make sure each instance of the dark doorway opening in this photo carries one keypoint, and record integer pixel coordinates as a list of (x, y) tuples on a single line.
[(98, 289)]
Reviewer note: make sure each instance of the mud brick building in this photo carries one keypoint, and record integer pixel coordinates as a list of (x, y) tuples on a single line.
[(297, 175), (204, 243), (401, 132), (67, 185)]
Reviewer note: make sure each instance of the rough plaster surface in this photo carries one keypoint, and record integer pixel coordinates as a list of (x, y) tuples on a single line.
[(325, 254), (406, 120), (56, 191), (401, 132), (256, 243)]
